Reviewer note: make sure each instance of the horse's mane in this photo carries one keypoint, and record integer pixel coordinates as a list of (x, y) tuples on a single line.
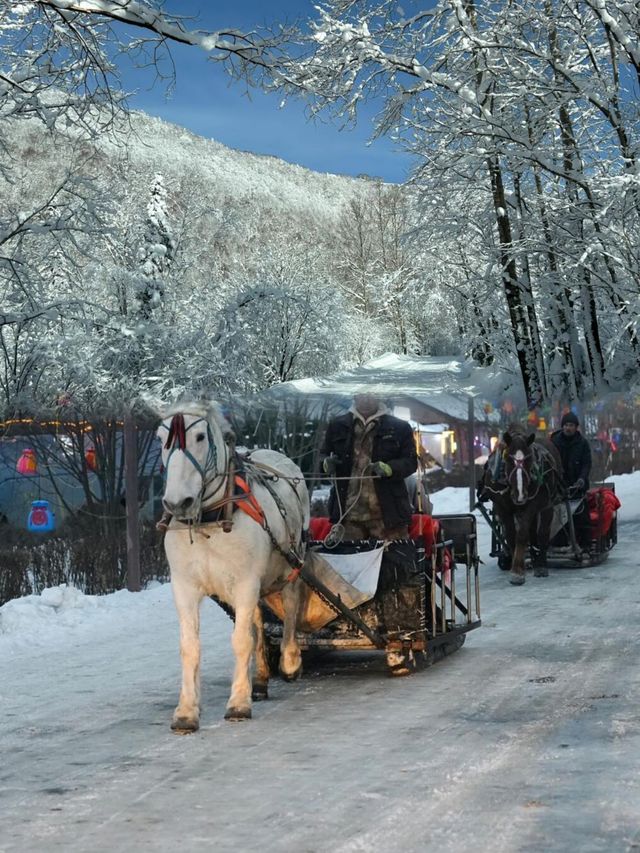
[(517, 428), (209, 409)]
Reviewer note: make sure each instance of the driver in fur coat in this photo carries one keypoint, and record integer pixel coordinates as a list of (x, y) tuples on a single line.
[(374, 452)]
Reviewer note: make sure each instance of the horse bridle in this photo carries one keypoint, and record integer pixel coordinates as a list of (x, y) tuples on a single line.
[(535, 474), (177, 441)]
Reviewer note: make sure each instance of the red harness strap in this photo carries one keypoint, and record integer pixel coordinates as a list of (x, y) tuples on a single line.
[(248, 504)]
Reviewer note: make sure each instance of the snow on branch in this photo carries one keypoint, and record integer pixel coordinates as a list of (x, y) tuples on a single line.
[(137, 13)]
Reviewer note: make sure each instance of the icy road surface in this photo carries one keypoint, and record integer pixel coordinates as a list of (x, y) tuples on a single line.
[(527, 739)]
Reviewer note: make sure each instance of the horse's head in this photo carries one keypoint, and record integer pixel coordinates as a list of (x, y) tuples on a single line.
[(195, 457), (519, 464)]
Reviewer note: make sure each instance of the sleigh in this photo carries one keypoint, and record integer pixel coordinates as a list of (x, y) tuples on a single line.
[(564, 550), (415, 600)]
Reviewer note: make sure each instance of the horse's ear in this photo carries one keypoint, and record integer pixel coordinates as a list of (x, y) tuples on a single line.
[(507, 438), (531, 438)]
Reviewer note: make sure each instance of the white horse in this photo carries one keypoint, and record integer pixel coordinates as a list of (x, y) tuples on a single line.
[(238, 566)]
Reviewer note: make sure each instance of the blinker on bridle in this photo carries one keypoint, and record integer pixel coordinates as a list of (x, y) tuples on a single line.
[(177, 440)]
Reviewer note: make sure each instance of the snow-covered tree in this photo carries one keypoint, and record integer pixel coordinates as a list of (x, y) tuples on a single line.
[(58, 68), (157, 251), (528, 114)]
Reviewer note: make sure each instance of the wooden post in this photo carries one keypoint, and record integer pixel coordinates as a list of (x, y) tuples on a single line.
[(471, 444), (131, 498)]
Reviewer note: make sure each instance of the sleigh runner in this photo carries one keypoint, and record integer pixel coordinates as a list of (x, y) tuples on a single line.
[(416, 605)]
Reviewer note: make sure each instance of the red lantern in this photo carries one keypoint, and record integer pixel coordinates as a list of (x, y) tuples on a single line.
[(532, 418), (27, 464), (90, 459)]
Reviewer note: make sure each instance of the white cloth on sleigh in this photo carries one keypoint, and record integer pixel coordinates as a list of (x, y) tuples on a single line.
[(360, 570)]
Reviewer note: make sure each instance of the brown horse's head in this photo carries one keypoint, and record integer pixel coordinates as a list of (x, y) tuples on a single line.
[(519, 463)]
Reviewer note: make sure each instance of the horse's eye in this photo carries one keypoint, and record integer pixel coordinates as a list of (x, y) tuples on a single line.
[(200, 436)]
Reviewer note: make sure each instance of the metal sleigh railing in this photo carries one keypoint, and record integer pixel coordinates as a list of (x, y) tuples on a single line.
[(460, 539), (449, 616)]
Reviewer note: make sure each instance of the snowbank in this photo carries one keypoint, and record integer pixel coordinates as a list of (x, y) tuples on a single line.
[(628, 491), (43, 620)]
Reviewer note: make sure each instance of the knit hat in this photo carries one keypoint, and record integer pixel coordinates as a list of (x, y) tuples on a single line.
[(569, 418)]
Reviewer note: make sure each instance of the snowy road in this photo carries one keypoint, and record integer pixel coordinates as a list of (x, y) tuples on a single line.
[(527, 739)]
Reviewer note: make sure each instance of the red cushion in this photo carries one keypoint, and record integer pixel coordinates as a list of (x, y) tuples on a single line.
[(602, 503), (425, 526), (319, 528)]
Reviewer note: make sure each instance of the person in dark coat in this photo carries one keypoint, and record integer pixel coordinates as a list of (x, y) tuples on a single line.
[(575, 453), (370, 453)]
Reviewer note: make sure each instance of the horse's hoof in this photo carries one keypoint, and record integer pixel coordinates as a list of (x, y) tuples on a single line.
[(291, 676), (259, 692), (401, 663), (504, 562), (401, 669), (517, 580), (237, 714), (184, 725)]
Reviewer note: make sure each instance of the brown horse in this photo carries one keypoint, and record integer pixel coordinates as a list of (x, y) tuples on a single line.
[(523, 479)]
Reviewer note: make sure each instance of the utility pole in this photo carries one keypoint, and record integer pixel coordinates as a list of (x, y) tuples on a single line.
[(471, 445), (131, 501)]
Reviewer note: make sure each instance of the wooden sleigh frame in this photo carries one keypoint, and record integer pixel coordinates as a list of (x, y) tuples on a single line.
[(446, 597)]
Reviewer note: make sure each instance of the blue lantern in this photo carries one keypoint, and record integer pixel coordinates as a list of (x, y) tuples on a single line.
[(41, 518)]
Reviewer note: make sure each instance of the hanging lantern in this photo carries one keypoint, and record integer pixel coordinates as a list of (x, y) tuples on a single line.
[(90, 459), (27, 464), (542, 424), (488, 408), (532, 418), (41, 518)]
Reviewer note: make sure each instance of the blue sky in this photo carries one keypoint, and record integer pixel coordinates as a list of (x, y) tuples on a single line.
[(203, 101)]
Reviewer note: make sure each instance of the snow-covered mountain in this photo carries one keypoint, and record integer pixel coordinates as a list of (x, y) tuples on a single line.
[(242, 202), (268, 182)]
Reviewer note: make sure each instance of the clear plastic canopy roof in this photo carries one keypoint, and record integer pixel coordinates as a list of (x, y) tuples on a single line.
[(443, 383)]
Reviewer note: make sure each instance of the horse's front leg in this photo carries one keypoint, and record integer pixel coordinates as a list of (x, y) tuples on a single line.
[(242, 641), (260, 686), (290, 655), (544, 529), (509, 531), (518, 576), (186, 717)]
